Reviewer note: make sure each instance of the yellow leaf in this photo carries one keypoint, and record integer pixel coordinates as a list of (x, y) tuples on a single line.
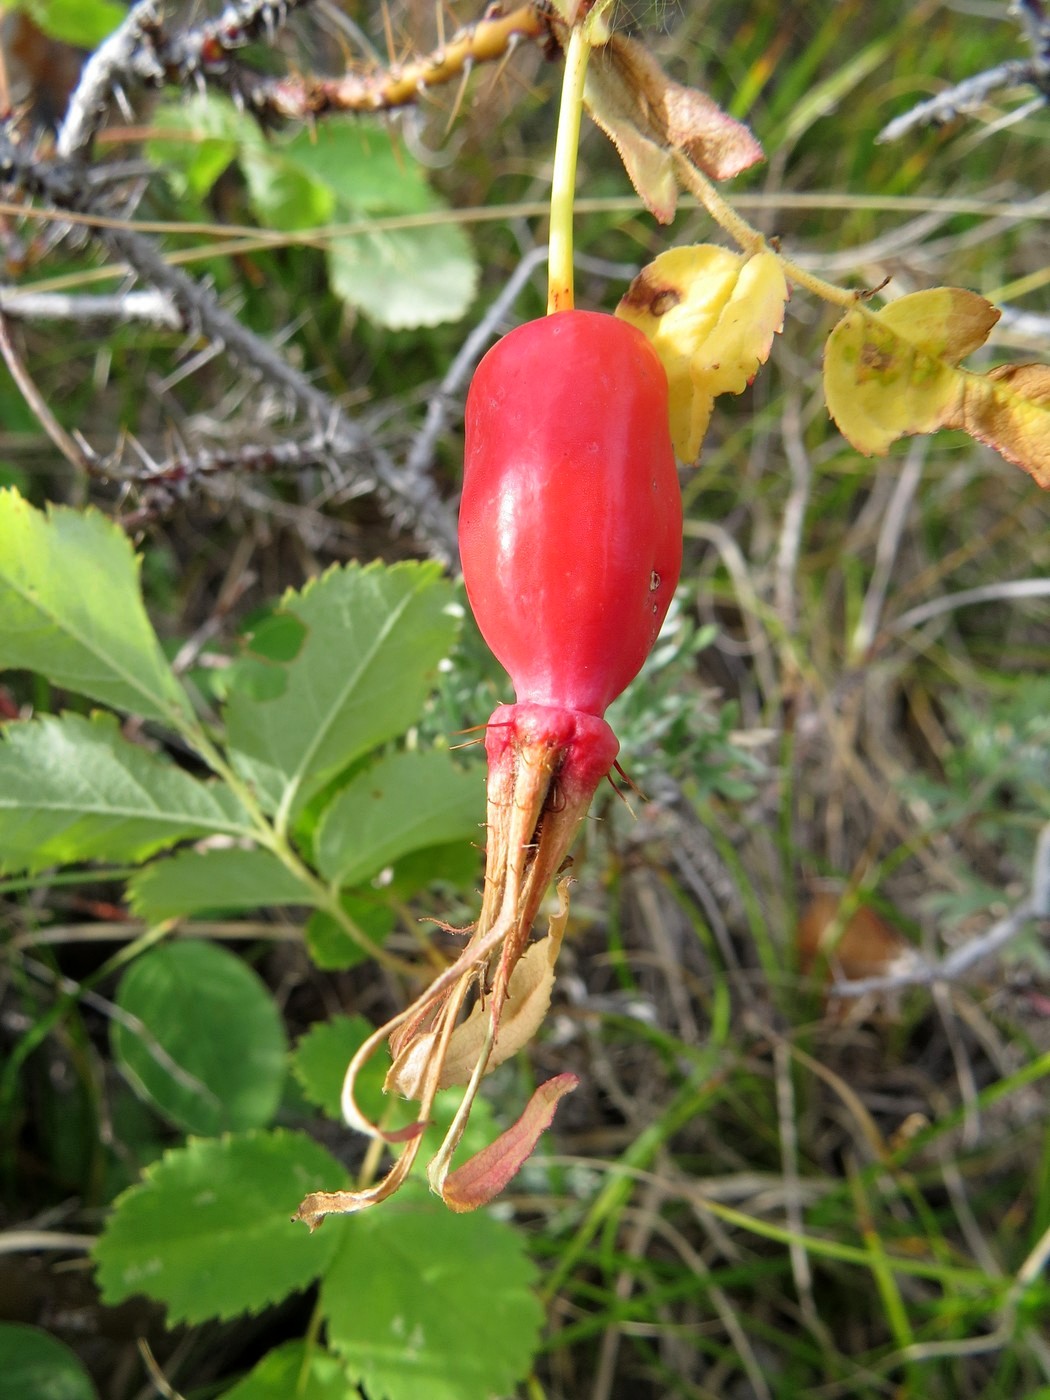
[(711, 316), (946, 322), (879, 386), (894, 372)]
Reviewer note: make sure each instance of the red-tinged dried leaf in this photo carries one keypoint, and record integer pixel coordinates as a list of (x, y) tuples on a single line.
[(1009, 409), (648, 117), (482, 1178)]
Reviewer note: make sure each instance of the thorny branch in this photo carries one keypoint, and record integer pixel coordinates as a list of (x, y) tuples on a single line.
[(971, 92), (411, 500)]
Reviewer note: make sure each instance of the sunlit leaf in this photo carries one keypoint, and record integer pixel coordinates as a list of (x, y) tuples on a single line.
[(894, 372), (71, 608), (209, 1230), (200, 1038), (74, 789), (711, 315)]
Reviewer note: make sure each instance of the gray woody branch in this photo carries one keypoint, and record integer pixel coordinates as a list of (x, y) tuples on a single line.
[(410, 498)]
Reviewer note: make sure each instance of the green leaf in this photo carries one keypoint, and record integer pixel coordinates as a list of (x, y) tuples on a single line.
[(193, 882), (208, 1050), (36, 1366), (320, 1059), (213, 131), (407, 277), (71, 608), (331, 947), (74, 789), (403, 803), (363, 166), (294, 1370), (423, 1302), (208, 1232), (416, 276), (83, 23), (374, 639)]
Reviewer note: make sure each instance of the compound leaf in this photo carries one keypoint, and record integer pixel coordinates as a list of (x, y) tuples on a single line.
[(423, 1302), (208, 1231), (405, 802), (71, 608), (200, 1038), (373, 640), (74, 789)]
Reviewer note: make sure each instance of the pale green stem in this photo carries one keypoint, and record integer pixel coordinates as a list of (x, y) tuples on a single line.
[(751, 241), (563, 183)]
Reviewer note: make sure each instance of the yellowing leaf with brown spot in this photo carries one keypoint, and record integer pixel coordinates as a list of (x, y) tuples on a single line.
[(895, 372), (711, 316)]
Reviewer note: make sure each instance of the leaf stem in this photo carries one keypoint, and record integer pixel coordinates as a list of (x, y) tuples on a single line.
[(563, 182), (751, 241)]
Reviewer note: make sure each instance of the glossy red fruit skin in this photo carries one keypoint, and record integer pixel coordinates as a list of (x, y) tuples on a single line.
[(570, 523)]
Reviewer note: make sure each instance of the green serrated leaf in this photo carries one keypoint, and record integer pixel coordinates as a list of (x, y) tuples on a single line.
[(320, 1059), (331, 947), (295, 1370), (36, 1366), (423, 1302), (71, 608), (408, 277), (200, 1038), (74, 789), (230, 879), (84, 23), (403, 803), (374, 637), (209, 1233)]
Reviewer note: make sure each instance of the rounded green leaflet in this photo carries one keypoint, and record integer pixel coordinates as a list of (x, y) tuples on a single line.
[(36, 1366), (420, 1302), (293, 1370), (200, 1038)]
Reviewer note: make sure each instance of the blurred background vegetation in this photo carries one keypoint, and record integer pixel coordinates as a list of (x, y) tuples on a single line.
[(760, 1189)]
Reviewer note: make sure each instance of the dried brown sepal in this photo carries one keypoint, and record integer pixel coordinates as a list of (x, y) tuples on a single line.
[(488, 1171), (648, 117), (544, 767)]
